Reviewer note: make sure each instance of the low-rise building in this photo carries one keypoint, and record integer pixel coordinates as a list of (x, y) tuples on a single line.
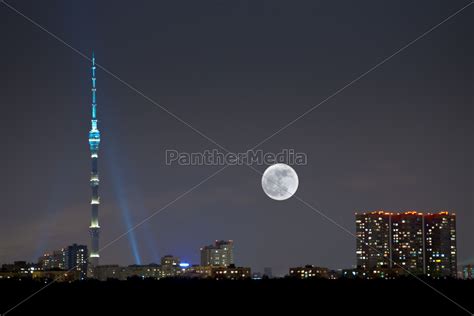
[(57, 276), (199, 272), (106, 272), (230, 273), (310, 272)]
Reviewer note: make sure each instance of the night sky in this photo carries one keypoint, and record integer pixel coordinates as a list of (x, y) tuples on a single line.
[(399, 139)]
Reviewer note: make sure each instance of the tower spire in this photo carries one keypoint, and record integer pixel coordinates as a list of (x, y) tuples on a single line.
[(94, 141)]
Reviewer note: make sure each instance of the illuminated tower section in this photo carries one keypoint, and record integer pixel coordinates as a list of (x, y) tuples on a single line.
[(94, 141)]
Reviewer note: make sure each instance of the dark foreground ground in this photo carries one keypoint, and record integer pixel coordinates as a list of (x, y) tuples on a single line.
[(262, 297)]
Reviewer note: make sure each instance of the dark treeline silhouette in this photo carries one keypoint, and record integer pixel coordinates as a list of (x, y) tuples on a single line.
[(247, 297)]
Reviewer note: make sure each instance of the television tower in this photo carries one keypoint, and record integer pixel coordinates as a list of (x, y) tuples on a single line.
[(94, 141)]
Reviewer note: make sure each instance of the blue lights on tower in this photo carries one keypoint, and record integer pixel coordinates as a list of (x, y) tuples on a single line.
[(94, 134), (94, 141)]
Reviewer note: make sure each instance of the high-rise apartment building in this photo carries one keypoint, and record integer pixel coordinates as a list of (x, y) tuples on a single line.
[(413, 242), (373, 240), (55, 260), (407, 241), (76, 258), (440, 244), (219, 254)]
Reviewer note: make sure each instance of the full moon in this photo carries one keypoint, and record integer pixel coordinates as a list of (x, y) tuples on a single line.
[(280, 182)]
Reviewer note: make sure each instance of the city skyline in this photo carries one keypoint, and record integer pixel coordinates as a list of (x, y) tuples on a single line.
[(388, 244), (386, 139)]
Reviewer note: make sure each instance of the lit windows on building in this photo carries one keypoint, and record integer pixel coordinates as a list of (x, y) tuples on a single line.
[(221, 253), (440, 243), (310, 272), (407, 241), (76, 258), (411, 242), (373, 240), (55, 260), (170, 266), (230, 272)]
